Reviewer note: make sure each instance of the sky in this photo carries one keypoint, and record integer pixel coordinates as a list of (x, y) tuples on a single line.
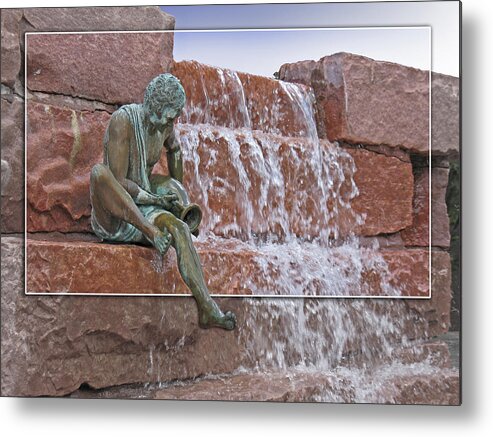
[(263, 52)]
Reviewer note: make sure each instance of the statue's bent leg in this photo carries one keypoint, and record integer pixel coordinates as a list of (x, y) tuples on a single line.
[(191, 271), (111, 203)]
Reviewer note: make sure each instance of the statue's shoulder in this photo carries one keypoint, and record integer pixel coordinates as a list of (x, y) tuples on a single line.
[(121, 119), (121, 114)]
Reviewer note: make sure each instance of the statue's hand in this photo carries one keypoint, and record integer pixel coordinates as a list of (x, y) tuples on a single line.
[(167, 200)]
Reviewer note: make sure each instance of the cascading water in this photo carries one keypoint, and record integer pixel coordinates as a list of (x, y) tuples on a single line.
[(282, 198), (288, 200)]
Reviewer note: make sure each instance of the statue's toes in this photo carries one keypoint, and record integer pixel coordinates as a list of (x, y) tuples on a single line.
[(229, 321)]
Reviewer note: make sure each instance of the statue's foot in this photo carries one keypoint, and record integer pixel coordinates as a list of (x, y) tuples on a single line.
[(216, 318), (161, 241)]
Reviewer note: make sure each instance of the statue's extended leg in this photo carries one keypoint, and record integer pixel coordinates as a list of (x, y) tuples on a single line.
[(191, 271), (111, 203)]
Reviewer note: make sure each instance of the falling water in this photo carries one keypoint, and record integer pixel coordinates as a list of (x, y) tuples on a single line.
[(285, 199), (288, 201)]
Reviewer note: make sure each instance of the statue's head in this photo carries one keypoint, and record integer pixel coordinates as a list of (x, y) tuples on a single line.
[(164, 99)]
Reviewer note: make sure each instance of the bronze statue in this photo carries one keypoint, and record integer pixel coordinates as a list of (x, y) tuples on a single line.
[(130, 205)]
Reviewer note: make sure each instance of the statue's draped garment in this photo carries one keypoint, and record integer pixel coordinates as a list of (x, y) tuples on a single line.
[(137, 172)]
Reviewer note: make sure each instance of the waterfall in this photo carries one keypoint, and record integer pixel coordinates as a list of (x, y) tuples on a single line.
[(287, 199), (282, 194)]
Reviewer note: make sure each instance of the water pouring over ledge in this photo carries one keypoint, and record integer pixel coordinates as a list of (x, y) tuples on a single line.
[(288, 199), (270, 187)]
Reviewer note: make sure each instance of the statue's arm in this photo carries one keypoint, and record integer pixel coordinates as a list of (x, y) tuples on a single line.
[(174, 157), (118, 147)]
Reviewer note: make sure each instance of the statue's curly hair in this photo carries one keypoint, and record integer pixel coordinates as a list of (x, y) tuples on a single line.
[(164, 90)]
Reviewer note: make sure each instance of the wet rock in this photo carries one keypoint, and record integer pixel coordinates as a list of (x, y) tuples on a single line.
[(10, 51), (223, 97), (246, 183), (441, 388), (434, 352), (264, 387), (418, 233), (230, 268), (12, 144), (214, 95), (113, 68), (62, 146), (436, 310), (52, 345)]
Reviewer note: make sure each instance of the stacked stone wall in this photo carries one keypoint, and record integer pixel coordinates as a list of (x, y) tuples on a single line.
[(51, 345)]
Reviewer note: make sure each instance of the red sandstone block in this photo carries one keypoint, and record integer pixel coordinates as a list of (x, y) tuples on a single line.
[(12, 143), (98, 18), (230, 268), (418, 233), (223, 97), (11, 51), (445, 108), (360, 100), (104, 67), (385, 186), (62, 146)]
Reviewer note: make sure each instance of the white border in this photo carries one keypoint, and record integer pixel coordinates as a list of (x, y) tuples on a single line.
[(236, 295)]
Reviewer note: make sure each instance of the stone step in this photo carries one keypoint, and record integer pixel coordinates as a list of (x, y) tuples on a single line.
[(430, 387), (222, 97), (51, 345), (231, 268)]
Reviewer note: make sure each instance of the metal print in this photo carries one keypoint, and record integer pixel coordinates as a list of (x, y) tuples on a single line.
[(266, 214)]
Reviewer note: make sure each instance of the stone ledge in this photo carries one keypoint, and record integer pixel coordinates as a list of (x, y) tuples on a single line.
[(231, 99), (98, 67), (438, 388), (231, 268), (53, 344), (364, 101)]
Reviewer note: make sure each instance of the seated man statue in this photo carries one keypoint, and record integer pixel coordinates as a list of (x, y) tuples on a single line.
[(125, 208)]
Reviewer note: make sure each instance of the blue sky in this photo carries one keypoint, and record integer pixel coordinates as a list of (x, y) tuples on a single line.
[(263, 52)]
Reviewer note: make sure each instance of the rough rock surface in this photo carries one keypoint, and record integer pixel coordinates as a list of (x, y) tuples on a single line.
[(223, 97), (12, 144), (10, 50), (360, 100), (385, 186), (266, 387), (442, 388), (230, 268), (437, 309), (107, 67), (52, 345), (98, 18), (445, 109), (15, 22), (418, 233), (62, 146)]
